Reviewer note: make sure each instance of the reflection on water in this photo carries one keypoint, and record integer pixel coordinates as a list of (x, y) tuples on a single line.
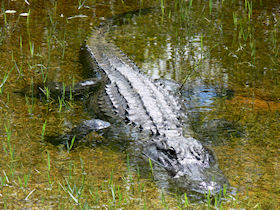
[(225, 55)]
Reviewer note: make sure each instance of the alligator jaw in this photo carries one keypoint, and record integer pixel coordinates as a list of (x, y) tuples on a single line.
[(211, 180), (192, 166)]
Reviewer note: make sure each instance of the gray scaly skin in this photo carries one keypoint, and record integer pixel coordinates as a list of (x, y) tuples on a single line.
[(138, 100)]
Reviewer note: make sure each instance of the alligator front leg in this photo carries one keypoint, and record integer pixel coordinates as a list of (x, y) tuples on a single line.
[(78, 132), (60, 90), (56, 90)]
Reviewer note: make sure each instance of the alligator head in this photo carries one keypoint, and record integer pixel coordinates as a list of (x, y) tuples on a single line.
[(192, 165)]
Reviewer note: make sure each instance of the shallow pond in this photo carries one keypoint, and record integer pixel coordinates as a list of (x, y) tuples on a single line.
[(224, 53)]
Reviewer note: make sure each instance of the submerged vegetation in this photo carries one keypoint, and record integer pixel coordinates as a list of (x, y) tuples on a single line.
[(211, 48)]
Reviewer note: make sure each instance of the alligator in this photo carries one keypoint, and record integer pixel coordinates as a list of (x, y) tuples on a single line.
[(120, 90)]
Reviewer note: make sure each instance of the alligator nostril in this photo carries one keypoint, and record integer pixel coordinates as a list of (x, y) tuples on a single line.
[(198, 157), (196, 154)]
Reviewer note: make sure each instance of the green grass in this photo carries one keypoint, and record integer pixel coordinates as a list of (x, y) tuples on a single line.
[(44, 129), (81, 3), (5, 78), (151, 166), (71, 144), (49, 168), (210, 7)]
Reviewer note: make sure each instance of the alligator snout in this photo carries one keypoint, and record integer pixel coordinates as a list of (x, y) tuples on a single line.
[(191, 165)]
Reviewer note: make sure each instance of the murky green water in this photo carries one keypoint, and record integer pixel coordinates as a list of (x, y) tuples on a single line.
[(214, 49)]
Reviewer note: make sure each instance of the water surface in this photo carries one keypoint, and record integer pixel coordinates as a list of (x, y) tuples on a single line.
[(225, 55)]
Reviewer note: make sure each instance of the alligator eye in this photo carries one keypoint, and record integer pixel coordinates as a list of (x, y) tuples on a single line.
[(171, 152)]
